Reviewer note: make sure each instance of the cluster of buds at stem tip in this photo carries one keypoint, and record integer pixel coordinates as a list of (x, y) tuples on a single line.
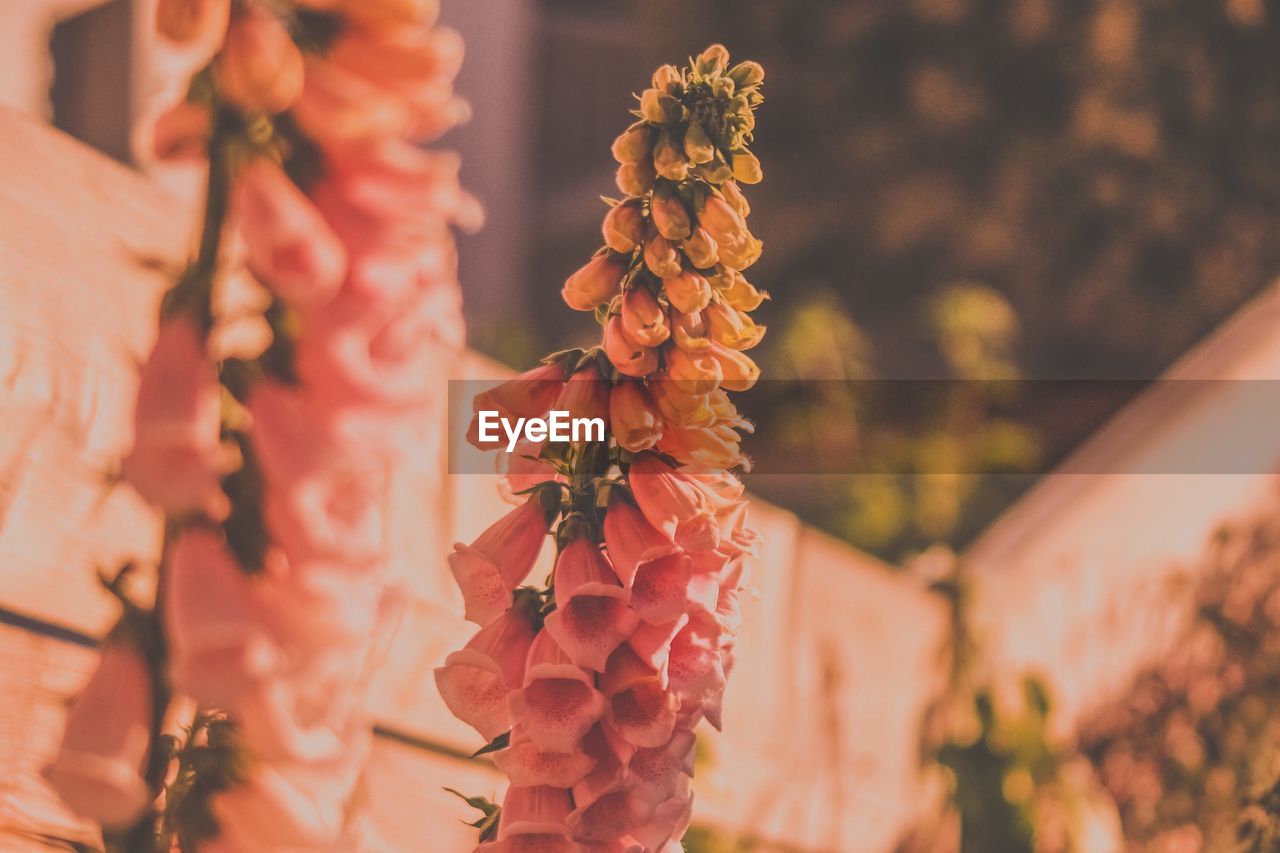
[(589, 688), (272, 462), (668, 286)]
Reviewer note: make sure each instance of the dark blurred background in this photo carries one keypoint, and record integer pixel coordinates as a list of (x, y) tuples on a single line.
[(953, 188)]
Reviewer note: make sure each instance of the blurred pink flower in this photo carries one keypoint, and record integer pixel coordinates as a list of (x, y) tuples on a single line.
[(379, 84), (323, 502), (288, 806), (106, 739), (259, 68), (290, 247), (193, 21), (177, 458), (219, 647)]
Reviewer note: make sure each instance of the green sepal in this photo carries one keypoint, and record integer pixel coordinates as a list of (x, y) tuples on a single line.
[(488, 823), (500, 742)]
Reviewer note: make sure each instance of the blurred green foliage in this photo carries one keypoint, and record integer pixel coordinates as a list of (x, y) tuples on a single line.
[(984, 188)]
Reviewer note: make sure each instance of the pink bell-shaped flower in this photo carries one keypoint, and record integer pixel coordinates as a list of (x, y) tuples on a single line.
[(491, 567), (290, 248), (559, 702), (591, 618), (641, 709), (533, 821), (476, 681), (526, 764), (177, 458), (98, 769), (219, 646)]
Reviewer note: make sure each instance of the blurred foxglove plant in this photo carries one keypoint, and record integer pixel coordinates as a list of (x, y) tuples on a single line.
[(271, 460)]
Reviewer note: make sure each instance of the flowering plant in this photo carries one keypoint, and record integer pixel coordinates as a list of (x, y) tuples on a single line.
[(588, 690), (271, 457)]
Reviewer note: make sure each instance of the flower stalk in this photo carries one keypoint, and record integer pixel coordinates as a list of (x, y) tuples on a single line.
[(640, 614)]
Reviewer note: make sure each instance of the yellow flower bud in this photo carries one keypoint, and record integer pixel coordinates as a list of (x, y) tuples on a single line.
[(690, 332), (667, 79), (636, 178), (627, 356), (260, 68), (737, 291), (679, 402), (634, 417), (722, 222), (716, 171), (687, 291), (725, 412), (623, 226), (633, 144), (740, 256), (661, 257), (596, 282), (737, 371), (747, 74), (670, 216), (746, 167), (712, 60), (659, 107), (669, 159), (701, 249), (696, 374), (643, 317), (722, 87), (733, 194), (732, 327), (706, 447), (697, 145)]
